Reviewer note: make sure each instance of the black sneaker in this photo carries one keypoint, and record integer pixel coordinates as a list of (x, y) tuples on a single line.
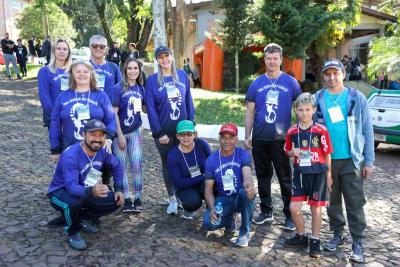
[(263, 217), (9, 77), (128, 207), (297, 241), (137, 205), (315, 248), (19, 77)]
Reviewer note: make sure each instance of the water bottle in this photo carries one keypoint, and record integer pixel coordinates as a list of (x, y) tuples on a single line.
[(218, 212)]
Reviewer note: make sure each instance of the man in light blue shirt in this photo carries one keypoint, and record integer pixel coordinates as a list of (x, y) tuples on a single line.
[(346, 114)]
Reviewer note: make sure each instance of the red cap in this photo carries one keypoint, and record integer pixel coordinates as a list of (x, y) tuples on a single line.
[(230, 128)]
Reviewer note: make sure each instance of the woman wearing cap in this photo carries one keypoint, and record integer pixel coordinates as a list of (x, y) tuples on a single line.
[(75, 106), (168, 101), (186, 166), (53, 78), (127, 100)]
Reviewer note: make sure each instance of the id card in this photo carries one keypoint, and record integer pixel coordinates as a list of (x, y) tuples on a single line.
[(305, 158), (137, 105), (101, 80), (115, 55), (227, 181), (172, 91), (272, 97), (64, 83), (93, 177), (335, 114), (194, 171), (83, 112)]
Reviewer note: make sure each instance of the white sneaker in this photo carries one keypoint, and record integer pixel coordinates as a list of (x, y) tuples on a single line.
[(172, 207)]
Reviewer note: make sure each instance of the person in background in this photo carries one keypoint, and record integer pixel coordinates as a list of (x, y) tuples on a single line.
[(186, 67), (22, 56), (31, 48), (168, 101), (196, 76), (46, 49), (186, 166), (114, 54), (131, 53), (7, 46)]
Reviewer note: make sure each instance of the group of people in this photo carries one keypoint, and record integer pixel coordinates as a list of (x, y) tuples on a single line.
[(117, 56), (92, 111)]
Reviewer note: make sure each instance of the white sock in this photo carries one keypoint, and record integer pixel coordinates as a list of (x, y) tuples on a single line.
[(314, 237)]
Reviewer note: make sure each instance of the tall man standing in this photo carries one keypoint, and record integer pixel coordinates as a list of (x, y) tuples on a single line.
[(7, 46), (268, 117), (345, 113)]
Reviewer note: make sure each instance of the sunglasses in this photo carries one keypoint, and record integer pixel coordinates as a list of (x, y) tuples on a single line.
[(188, 134), (101, 46)]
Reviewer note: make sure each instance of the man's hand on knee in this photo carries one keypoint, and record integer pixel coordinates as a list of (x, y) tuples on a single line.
[(100, 190)]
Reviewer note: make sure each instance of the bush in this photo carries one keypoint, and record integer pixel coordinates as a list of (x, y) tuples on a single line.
[(246, 81)]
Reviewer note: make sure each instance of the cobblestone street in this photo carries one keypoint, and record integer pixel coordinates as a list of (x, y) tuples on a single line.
[(154, 238)]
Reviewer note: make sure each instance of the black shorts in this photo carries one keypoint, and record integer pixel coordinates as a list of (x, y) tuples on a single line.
[(311, 188)]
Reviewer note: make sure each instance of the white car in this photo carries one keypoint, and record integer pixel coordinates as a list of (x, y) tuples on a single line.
[(80, 54)]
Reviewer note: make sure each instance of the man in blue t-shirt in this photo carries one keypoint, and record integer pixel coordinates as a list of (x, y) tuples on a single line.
[(345, 113), (268, 117), (228, 175), (76, 190)]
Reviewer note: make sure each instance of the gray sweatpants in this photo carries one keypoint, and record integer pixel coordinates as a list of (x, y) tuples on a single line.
[(10, 58), (347, 181)]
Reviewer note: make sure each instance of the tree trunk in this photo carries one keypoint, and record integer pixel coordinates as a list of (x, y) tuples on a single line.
[(145, 35), (100, 8), (237, 71), (160, 37), (178, 34), (44, 18)]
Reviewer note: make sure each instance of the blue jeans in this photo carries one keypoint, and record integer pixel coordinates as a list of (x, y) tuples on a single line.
[(231, 204)]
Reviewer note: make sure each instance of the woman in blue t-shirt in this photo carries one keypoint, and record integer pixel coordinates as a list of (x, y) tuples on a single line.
[(186, 166), (127, 98), (53, 77), (168, 101), (74, 107)]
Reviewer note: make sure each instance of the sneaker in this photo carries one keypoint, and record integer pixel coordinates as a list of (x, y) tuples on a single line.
[(357, 254), (77, 242), (172, 207), (332, 244), (128, 207), (58, 221), (137, 205), (19, 77), (179, 203), (188, 215), (87, 228), (243, 240), (9, 77), (263, 217), (289, 225), (315, 248), (231, 228), (297, 241)]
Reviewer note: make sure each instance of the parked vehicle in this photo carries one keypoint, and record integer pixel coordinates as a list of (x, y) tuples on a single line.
[(82, 54), (385, 113)]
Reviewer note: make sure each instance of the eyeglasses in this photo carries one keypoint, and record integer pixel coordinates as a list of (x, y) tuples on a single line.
[(188, 134), (101, 46)]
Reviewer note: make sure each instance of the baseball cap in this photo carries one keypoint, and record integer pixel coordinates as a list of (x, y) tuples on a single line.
[(230, 128), (94, 125), (162, 49), (185, 126), (333, 63)]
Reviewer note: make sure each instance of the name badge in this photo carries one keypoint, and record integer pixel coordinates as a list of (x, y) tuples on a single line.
[(272, 97), (194, 171), (335, 114), (64, 83), (172, 91), (101, 80), (93, 177), (227, 181), (115, 55), (305, 158), (83, 112), (137, 105), (20, 51)]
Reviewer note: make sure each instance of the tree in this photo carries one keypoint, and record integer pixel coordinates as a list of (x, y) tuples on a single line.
[(101, 6), (236, 28), (160, 36), (384, 57), (30, 22)]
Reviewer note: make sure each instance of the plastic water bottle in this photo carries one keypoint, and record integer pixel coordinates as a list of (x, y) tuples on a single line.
[(218, 212)]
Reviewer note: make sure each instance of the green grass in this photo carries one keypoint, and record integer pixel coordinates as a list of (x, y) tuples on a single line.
[(32, 71), (219, 107)]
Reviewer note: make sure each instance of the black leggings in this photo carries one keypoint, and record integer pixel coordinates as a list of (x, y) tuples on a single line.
[(191, 197)]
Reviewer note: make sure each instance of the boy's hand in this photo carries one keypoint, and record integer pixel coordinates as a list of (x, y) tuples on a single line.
[(329, 181), (296, 152)]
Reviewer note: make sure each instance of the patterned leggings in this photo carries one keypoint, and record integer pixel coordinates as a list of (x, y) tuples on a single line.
[(133, 154)]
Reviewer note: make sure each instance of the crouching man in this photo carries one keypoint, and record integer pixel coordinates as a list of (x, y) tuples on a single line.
[(76, 190)]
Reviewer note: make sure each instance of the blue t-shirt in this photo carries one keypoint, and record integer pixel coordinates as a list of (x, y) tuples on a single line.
[(338, 131), (227, 171), (178, 163), (66, 128), (74, 165), (273, 100), (129, 105), (50, 84), (168, 104), (107, 75)]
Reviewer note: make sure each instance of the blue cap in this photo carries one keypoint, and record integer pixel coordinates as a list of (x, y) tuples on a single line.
[(162, 49), (333, 63), (95, 125)]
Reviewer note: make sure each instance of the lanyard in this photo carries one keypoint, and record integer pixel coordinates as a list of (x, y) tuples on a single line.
[(195, 158), (298, 137), (274, 83), (91, 161), (335, 101), (97, 67), (220, 163)]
